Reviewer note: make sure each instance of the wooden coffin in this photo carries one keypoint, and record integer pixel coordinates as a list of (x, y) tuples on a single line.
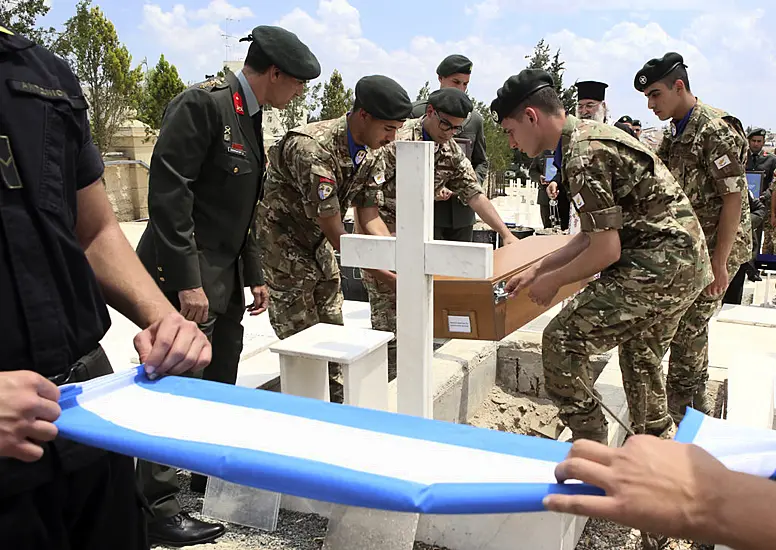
[(478, 309)]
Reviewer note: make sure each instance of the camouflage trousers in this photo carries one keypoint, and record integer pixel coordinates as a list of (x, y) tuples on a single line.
[(297, 303), (642, 322), (688, 367), (768, 230), (382, 305)]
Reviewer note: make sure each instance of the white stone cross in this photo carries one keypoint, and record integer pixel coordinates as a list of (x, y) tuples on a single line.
[(416, 258)]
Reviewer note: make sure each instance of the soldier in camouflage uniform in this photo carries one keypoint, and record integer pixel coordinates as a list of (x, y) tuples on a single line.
[(316, 172), (706, 150), (638, 230), (446, 112)]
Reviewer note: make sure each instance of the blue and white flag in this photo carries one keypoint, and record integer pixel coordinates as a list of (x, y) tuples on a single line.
[(342, 454)]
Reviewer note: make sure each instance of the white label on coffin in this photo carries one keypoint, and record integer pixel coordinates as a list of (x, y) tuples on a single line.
[(459, 323)]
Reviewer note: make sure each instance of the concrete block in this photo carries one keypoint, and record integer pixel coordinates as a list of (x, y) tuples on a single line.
[(464, 373), (537, 531), (520, 366)]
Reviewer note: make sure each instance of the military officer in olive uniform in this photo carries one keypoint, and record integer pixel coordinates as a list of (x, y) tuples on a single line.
[(316, 173), (446, 113), (705, 148), (454, 220), (205, 182), (759, 161)]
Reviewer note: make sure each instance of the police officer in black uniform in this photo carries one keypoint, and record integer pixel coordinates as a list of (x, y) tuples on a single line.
[(204, 186), (453, 220), (61, 252)]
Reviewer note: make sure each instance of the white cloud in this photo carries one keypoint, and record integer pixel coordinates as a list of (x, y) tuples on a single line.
[(220, 10), (195, 40), (725, 69)]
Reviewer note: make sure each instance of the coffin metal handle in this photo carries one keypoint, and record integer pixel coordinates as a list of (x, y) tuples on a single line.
[(499, 292)]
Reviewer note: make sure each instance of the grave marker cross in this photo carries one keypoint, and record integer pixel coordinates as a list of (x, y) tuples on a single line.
[(416, 258)]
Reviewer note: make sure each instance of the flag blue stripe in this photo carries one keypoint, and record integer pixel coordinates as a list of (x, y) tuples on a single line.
[(308, 478), (689, 426), (365, 419)]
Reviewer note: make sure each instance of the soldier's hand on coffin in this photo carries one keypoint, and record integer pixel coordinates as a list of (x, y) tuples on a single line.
[(443, 194), (520, 281), (260, 300), (543, 290), (721, 279), (194, 304), (656, 485), (28, 408), (509, 239), (173, 345), (552, 189)]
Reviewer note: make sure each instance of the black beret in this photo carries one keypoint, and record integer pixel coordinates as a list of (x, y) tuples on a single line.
[(655, 69), (383, 98), (625, 128), (636, 123), (454, 64), (517, 89), (757, 132), (590, 89), (284, 50), (625, 119), (451, 101)]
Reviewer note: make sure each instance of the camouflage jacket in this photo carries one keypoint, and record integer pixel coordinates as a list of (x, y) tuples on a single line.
[(311, 175), (708, 161), (616, 182), (452, 169)]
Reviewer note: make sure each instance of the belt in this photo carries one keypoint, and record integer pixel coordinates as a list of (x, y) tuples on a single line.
[(92, 365)]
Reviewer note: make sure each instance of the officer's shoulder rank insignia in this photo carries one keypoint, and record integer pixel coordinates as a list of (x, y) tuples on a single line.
[(325, 188)]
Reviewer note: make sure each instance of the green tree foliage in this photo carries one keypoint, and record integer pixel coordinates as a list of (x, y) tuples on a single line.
[(298, 111), (568, 96), (496, 140), (553, 64), (423, 92), (162, 84), (20, 17), (336, 99), (103, 65)]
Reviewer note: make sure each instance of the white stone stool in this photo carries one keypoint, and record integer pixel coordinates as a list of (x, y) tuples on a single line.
[(304, 371), (363, 354)]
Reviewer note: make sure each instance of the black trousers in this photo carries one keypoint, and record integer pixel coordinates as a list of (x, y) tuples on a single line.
[(92, 508), (460, 234), (735, 290), (159, 483)]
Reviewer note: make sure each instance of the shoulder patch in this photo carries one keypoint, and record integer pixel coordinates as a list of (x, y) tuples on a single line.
[(325, 188), (722, 161)]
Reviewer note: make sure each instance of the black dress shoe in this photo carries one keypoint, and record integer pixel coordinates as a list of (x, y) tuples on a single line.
[(183, 530)]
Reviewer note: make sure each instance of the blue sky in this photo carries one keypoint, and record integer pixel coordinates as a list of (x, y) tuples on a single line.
[(728, 45)]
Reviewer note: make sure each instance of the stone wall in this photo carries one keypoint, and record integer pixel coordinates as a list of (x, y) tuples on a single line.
[(127, 187)]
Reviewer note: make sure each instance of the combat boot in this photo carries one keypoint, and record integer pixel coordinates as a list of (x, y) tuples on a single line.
[(653, 542), (701, 401), (597, 436), (678, 403)]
